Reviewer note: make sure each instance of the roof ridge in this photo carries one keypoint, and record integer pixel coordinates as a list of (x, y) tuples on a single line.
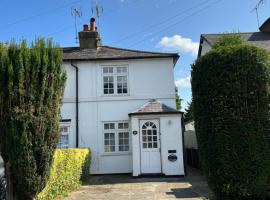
[(229, 33), (141, 51)]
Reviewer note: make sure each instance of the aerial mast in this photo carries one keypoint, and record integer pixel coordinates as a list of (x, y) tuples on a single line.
[(76, 13), (97, 10), (256, 10)]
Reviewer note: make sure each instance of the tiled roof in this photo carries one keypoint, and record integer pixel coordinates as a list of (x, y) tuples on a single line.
[(154, 107), (110, 53), (260, 39)]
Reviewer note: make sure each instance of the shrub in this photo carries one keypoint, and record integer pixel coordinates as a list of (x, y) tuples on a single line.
[(231, 95), (32, 82), (69, 169)]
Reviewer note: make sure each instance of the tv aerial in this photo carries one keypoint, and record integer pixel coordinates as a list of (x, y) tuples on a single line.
[(97, 10), (256, 9), (76, 13)]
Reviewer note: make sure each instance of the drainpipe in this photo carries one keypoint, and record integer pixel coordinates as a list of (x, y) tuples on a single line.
[(77, 104)]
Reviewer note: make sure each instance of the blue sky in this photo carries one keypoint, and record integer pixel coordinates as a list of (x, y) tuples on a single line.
[(155, 25)]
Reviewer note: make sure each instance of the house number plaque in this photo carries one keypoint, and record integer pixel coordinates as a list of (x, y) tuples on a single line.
[(135, 132)]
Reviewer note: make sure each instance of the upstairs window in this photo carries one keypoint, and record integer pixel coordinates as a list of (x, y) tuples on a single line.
[(115, 80)]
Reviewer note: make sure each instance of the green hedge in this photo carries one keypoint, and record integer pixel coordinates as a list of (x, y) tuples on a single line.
[(231, 96), (69, 170)]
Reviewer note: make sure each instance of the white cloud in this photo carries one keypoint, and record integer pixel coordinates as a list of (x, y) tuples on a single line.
[(177, 42), (183, 82)]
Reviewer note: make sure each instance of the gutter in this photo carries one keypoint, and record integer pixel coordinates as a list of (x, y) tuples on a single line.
[(77, 104)]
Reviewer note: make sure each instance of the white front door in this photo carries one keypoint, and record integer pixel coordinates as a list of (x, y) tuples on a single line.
[(150, 146)]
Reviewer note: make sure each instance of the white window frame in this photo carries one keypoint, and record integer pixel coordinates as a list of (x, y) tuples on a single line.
[(59, 144), (116, 132), (115, 76)]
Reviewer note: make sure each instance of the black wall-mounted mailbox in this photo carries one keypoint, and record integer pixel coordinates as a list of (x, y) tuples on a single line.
[(172, 158), (171, 151)]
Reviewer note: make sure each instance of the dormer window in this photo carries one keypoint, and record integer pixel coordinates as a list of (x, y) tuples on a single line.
[(115, 79)]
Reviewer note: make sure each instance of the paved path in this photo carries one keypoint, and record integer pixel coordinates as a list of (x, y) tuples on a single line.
[(125, 187)]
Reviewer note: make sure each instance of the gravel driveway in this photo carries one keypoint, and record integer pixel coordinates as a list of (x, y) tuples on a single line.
[(125, 187)]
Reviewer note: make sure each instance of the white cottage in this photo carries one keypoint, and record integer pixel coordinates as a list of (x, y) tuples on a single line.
[(121, 104)]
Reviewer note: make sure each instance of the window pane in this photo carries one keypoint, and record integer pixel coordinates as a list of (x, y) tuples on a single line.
[(120, 125), (144, 145), (107, 70), (126, 125), (121, 69), (108, 85), (109, 142), (108, 126), (63, 143), (112, 148), (123, 141), (121, 84), (112, 126), (111, 91)]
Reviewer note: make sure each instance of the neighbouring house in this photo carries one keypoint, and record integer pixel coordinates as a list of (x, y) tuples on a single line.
[(260, 39), (190, 136), (190, 144), (121, 103)]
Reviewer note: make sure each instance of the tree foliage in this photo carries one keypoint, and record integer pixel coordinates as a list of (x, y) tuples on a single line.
[(32, 83), (188, 114), (231, 95), (229, 40), (177, 99)]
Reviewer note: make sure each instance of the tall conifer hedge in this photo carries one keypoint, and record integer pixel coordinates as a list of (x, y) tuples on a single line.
[(32, 83), (231, 96)]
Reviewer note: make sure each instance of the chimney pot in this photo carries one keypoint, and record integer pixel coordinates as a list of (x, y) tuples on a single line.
[(89, 38), (92, 24), (85, 28)]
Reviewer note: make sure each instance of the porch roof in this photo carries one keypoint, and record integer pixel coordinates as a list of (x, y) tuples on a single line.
[(153, 107)]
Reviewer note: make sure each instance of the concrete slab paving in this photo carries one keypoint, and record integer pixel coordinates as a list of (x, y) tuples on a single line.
[(126, 187)]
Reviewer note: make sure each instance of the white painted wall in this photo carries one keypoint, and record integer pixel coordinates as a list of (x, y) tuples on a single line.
[(171, 139), (205, 48), (147, 79)]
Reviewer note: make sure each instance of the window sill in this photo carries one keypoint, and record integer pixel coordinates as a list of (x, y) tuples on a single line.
[(114, 95), (116, 154)]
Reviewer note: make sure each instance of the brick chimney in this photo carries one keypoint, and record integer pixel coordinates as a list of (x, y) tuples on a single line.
[(266, 26), (89, 38)]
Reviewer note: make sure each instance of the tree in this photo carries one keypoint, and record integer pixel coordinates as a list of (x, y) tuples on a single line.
[(32, 83), (231, 96), (188, 115), (178, 100)]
